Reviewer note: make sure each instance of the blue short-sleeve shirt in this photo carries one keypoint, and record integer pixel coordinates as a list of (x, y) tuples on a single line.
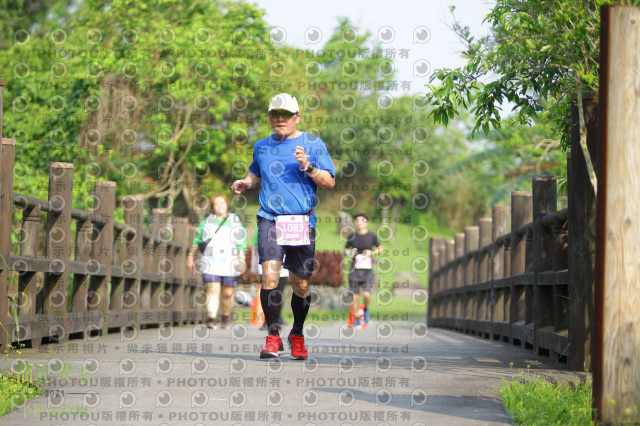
[(285, 189)]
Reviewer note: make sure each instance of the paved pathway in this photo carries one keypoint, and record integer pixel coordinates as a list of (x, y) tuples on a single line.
[(389, 373)]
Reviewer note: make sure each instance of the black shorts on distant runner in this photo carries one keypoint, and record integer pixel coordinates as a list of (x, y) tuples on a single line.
[(361, 278)]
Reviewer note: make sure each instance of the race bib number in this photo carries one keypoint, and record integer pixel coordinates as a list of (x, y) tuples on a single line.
[(363, 261), (292, 230)]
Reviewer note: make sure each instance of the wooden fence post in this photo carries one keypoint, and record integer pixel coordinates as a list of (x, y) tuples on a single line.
[(458, 280), (483, 309), (98, 297), (544, 202), (520, 215), (432, 287), (500, 295), (450, 255), (133, 217), (181, 232), (57, 249), (469, 265), (436, 285), (80, 289), (7, 158), (582, 229), (27, 281), (165, 265), (160, 301), (616, 360)]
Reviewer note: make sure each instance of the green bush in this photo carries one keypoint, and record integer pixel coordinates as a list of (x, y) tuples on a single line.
[(532, 399), (14, 391)]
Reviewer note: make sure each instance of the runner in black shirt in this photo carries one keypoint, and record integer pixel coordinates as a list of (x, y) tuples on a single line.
[(361, 247)]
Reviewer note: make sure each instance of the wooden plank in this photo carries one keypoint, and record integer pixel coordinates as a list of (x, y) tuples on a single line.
[(160, 298), (551, 340), (98, 298), (553, 278), (181, 234), (500, 220), (58, 242), (7, 158), (582, 228), (617, 368), (544, 202), (80, 287), (471, 244), (133, 217), (520, 215)]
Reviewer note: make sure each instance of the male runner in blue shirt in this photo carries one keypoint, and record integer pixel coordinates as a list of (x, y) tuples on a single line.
[(289, 165)]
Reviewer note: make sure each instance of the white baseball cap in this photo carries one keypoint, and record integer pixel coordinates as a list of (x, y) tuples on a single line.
[(284, 101)]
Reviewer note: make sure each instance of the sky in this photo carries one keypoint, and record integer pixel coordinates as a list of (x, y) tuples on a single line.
[(418, 31)]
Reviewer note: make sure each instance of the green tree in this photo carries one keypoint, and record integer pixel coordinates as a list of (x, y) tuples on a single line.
[(19, 18), (536, 55), (177, 78)]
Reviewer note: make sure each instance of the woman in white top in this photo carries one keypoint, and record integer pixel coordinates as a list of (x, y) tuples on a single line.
[(223, 259)]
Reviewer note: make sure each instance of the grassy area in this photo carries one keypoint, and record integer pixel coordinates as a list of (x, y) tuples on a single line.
[(14, 391), (531, 399)]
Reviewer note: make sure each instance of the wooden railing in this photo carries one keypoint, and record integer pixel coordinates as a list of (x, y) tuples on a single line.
[(526, 274), (95, 274), (509, 286)]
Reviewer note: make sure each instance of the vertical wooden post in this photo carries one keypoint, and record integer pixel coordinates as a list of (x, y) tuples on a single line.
[(616, 361), (560, 263), (459, 280), (434, 269), (133, 217), (105, 194), (159, 299), (483, 311), (166, 265), (57, 248), (117, 287), (27, 281), (80, 288), (438, 282), (7, 158), (520, 215), (146, 285), (582, 228), (469, 299), (500, 296), (485, 225), (181, 231), (450, 251), (544, 202)]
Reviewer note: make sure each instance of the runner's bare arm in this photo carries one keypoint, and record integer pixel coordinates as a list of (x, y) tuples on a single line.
[(322, 178), (241, 185)]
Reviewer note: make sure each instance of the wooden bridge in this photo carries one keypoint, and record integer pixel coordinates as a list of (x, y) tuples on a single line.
[(517, 277), (121, 276)]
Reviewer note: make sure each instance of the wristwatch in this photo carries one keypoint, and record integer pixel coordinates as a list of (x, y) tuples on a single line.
[(310, 167)]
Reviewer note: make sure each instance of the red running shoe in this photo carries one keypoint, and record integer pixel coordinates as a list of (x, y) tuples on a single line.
[(274, 344), (298, 350)]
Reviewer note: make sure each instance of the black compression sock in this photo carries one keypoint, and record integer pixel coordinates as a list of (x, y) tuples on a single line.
[(300, 308), (271, 301)]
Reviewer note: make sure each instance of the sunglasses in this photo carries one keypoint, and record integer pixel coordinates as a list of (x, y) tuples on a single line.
[(281, 114)]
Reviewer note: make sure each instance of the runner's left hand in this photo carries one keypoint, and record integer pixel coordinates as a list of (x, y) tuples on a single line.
[(301, 156)]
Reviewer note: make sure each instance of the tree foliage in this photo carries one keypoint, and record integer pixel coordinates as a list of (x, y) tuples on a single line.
[(174, 77), (537, 54), (166, 98)]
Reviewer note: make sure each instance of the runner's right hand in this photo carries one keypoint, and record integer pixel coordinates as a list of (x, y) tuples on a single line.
[(239, 186)]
